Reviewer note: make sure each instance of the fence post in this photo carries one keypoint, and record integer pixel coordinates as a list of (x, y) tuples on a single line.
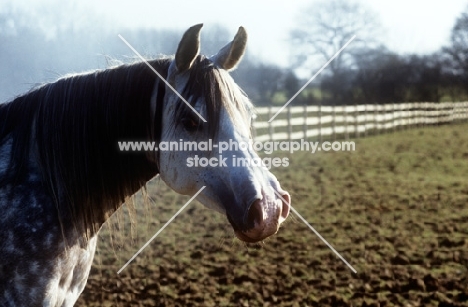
[(365, 120), (289, 124), (345, 122), (451, 112), (356, 122), (466, 110), (270, 124), (376, 128), (455, 115), (334, 122), (426, 113), (320, 121), (305, 122)]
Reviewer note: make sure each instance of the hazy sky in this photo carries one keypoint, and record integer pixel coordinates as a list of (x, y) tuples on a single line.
[(411, 26)]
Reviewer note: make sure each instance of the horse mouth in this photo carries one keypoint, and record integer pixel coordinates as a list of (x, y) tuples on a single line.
[(244, 237), (261, 225)]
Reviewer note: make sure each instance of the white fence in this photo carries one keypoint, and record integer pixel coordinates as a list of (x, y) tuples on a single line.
[(352, 121)]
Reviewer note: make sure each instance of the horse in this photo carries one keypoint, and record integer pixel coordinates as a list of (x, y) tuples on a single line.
[(62, 174)]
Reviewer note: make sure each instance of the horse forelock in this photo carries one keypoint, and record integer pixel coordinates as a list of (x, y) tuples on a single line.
[(212, 85)]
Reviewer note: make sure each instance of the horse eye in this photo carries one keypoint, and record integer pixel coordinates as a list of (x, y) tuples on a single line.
[(190, 124)]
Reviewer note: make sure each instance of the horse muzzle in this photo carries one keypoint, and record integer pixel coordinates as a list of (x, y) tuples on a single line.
[(264, 217)]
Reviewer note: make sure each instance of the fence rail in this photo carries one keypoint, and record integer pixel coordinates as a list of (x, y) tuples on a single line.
[(355, 120)]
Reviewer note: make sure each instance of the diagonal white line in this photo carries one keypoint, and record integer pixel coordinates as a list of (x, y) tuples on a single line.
[(159, 75), (316, 232), (160, 230), (313, 77)]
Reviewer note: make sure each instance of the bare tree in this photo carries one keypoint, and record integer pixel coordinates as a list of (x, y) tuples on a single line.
[(324, 27), (458, 50)]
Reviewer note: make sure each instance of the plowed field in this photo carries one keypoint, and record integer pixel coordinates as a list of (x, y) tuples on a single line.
[(396, 209)]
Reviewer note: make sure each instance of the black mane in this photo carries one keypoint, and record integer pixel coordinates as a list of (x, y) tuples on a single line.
[(71, 129)]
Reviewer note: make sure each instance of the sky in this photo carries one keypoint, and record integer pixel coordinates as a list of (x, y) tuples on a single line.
[(410, 26)]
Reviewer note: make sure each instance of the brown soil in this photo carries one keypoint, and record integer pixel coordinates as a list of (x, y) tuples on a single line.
[(396, 209)]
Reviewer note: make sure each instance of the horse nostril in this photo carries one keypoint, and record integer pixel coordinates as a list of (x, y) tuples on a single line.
[(286, 205), (255, 216)]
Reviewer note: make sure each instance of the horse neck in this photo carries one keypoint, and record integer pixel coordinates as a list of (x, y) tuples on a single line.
[(78, 123)]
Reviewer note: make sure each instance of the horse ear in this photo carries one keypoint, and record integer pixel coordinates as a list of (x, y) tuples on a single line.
[(231, 54), (188, 49)]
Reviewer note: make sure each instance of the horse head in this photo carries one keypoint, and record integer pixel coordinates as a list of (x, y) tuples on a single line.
[(216, 112)]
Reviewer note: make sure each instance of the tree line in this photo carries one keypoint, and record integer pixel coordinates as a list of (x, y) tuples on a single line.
[(365, 72)]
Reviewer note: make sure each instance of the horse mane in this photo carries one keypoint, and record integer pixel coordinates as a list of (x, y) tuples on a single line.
[(71, 129)]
